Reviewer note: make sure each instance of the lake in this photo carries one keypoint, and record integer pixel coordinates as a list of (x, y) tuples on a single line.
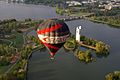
[(66, 66), (22, 11)]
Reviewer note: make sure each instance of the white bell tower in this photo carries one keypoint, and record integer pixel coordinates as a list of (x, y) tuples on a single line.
[(78, 33)]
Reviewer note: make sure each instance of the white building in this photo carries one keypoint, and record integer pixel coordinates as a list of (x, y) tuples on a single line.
[(73, 3), (78, 33), (112, 5)]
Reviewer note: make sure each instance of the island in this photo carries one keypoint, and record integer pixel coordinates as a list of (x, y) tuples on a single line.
[(99, 47), (113, 76)]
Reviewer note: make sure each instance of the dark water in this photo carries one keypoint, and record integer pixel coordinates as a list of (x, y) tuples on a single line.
[(66, 66)]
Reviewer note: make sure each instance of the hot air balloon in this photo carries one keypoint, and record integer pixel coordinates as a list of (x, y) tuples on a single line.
[(53, 33)]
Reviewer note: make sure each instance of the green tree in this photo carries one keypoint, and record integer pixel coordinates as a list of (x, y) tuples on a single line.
[(102, 48), (110, 76)]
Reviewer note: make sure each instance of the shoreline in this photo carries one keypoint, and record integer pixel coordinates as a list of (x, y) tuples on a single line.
[(98, 21), (87, 17)]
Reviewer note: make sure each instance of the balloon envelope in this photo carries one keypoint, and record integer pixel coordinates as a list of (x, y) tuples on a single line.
[(53, 34)]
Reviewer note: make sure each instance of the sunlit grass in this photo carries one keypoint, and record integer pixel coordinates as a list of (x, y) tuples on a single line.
[(18, 41), (3, 69)]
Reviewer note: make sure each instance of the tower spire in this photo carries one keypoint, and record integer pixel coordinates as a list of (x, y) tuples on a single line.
[(78, 33)]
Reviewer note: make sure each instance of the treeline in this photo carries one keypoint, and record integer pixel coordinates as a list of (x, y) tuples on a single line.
[(59, 10), (6, 54), (112, 20), (18, 71), (112, 12), (7, 21), (9, 25), (111, 17), (113, 76), (6, 26)]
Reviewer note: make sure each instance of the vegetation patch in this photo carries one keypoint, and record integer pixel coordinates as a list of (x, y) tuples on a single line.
[(84, 56), (5, 42), (113, 76), (3, 69), (34, 42), (114, 21), (100, 48), (6, 54), (18, 41), (70, 43)]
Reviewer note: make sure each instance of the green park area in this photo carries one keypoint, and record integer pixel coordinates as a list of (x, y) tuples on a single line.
[(92, 45), (18, 40), (14, 50), (3, 69)]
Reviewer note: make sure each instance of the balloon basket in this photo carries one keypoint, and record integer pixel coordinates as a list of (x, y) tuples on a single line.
[(52, 57)]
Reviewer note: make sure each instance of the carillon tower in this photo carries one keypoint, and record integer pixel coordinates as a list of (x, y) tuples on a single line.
[(78, 33)]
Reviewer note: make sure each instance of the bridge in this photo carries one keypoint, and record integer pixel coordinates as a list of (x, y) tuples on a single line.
[(13, 0), (69, 18)]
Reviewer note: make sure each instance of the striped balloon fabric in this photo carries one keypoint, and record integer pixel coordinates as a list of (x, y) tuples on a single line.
[(53, 33)]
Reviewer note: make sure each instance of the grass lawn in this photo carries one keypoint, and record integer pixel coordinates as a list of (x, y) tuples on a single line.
[(3, 69), (18, 40)]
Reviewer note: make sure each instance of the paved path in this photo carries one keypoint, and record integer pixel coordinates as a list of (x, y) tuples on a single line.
[(87, 46)]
